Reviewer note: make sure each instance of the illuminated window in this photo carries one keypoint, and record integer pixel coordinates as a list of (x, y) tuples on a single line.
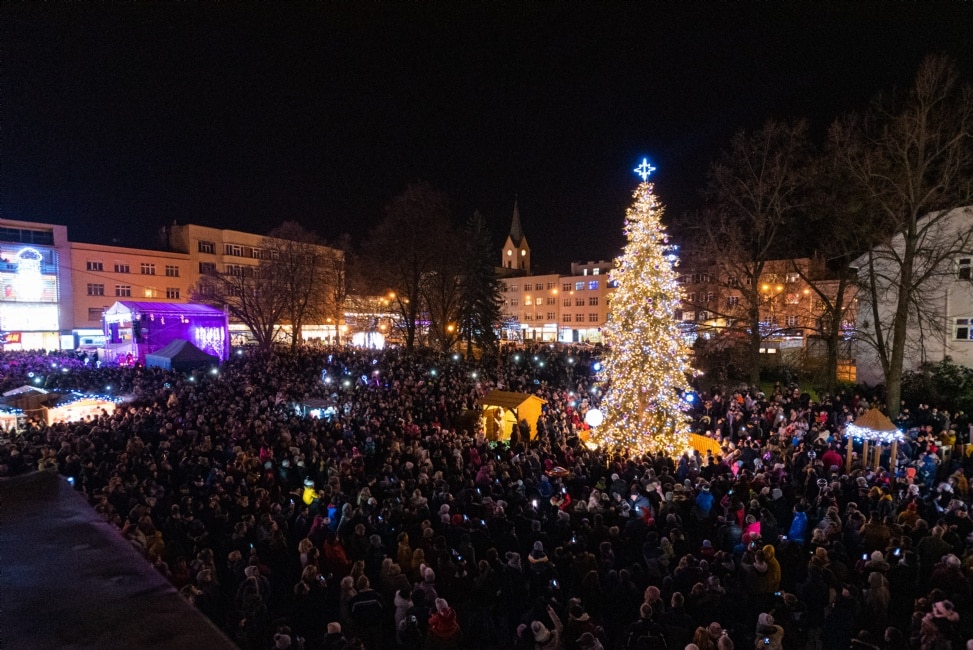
[(96, 289), (147, 269), (151, 292), (579, 286), (961, 329), (595, 271), (509, 252), (94, 266), (121, 267), (593, 285), (792, 277), (207, 247), (593, 302), (523, 253), (793, 298), (688, 316), (703, 315), (172, 293), (123, 290), (172, 271), (592, 318), (527, 300)]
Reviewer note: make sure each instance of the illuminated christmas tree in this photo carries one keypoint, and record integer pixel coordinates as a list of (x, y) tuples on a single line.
[(647, 363)]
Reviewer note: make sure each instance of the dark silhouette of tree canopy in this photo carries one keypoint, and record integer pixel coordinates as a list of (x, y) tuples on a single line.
[(480, 289)]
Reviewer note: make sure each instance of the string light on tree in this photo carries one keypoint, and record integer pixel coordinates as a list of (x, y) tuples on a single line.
[(647, 364)]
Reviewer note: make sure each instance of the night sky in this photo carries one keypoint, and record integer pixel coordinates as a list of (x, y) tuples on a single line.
[(119, 119)]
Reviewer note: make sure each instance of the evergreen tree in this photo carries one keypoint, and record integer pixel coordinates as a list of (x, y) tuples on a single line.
[(647, 360), (480, 289)]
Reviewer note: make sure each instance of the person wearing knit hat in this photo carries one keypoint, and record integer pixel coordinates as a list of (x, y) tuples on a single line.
[(537, 558), (513, 561), (444, 629), (282, 642), (769, 634), (545, 638)]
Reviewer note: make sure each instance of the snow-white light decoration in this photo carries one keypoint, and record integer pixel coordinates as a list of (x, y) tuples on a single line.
[(645, 169), (864, 433)]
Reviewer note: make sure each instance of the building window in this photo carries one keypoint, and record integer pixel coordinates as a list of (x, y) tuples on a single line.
[(123, 290), (551, 300), (528, 287), (527, 316), (612, 284), (579, 318), (172, 271), (527, 301), (964, 268), (688, 316), (172, 293), (151, 292), (94, 266), (792, 277), (96, 289), (566, 302), (550, 285), (691, 296), (593, 302), (793, 298), (207, 247), (551, 315), (566, 286), (515, 287), (235, 250), (703, 315), (579, 302), (121, 267), (566, 318), (961, 329), (732, 281), (593, 285), (95, 313), (207, 268), (793, 321), (514, 302), (593, 318), (595, 271), (579, 286), (147, 269), (732, 301), (235, 270)]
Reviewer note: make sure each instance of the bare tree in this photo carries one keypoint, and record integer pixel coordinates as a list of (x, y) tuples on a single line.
[(756, 190), (250, 295), (303, 272), (909, 159), (403, 250)]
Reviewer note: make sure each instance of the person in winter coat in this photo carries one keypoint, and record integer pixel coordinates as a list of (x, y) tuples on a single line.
[(769, 636), (798, 530), (444, 630)]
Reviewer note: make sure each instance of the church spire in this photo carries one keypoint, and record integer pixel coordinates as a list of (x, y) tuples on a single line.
[(516, 232)]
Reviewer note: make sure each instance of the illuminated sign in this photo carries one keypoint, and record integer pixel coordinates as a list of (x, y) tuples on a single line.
[(28, 275), (211, 339), (26, 317)]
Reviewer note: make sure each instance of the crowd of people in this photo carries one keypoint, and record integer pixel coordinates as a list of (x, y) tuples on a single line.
[(391, 521)]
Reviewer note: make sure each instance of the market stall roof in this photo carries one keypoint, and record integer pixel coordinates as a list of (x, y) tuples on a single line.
[(70, 580), (507, 399), (873, 425), (162, 308)]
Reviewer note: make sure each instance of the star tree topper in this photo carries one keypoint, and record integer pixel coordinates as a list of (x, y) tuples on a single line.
[(645, 169)]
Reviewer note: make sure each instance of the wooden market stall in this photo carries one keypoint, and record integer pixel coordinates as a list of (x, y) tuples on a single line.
[(503, 410), (875, 430)]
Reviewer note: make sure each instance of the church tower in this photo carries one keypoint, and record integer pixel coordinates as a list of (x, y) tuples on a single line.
[(515, 255)]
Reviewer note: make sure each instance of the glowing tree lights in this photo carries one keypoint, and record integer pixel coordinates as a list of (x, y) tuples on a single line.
[(647, 363)]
